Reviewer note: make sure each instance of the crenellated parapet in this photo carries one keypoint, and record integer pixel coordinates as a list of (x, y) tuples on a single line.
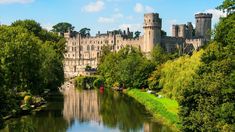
[(203, 15)]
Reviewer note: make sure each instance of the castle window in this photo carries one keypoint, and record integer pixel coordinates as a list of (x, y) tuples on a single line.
[(92, 47), (101, 42), (88, 47), (98, 42), (98, 47), (81, 48)]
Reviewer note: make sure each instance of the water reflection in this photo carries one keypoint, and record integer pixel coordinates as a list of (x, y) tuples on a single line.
[(83, 106), (87, 110), (108, 109)]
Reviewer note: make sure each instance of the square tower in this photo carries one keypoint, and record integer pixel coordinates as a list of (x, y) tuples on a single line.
[(152, 31)]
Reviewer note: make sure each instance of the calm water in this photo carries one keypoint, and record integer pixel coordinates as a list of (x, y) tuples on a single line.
[(87, 111)]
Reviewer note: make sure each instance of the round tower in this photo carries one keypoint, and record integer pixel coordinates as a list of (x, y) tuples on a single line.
[(203, 25), (152, 31)]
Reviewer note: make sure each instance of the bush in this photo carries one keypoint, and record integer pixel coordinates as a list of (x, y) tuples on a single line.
[(85, 82), (98, 82)]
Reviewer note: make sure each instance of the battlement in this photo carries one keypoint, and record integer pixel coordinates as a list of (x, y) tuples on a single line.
[(203, 15), (152, 20)]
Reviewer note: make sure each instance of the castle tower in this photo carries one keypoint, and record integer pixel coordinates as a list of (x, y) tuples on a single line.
[(203, 25), (182, 30), (152, 31), (190, 30), (175, 30)]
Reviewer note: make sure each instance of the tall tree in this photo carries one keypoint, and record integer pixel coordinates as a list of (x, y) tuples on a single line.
[(85, 32), (137, 34), (227, 6), (208, 102), (63, 27)]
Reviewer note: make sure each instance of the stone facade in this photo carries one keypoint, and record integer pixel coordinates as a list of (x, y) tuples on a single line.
[(85, 51)]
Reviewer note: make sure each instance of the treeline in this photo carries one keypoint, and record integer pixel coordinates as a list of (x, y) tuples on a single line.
[(203, 84), (30, 61)]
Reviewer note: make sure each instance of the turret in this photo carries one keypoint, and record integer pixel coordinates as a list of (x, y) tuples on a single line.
[(203, 25), (175, 30), (152, 31)]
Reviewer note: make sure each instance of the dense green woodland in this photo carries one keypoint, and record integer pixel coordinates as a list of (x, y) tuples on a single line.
[(30, 61), (203, 83)]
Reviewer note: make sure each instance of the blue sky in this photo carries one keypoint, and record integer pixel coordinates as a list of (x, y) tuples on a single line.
[(103, 15)]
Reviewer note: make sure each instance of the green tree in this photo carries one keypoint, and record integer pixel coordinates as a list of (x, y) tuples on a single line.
[(159, 55), (85, 32), (137, 34), (106, 49), (207, 103), (227, 6), (127, 67), (63, 27)]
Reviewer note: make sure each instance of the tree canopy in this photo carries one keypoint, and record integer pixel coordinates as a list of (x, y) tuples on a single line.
[(63, 27), (30, 61)]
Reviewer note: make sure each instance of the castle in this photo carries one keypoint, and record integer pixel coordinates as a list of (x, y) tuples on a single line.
[(85, 51)]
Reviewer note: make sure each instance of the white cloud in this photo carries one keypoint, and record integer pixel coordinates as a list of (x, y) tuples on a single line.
[(149, 9), (48, 26), (15, 1), (112, 19), (132, 27), (216, 14), (106, 20), (94, 6), (139, 8)]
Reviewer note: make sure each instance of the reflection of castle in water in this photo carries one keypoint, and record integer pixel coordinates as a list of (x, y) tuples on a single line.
[(110, 110), (82, 106)]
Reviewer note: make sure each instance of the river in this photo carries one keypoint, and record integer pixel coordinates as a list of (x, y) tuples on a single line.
[(87, 111)]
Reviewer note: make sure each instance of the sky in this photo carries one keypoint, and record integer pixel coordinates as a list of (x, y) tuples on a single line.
[(106, 15)]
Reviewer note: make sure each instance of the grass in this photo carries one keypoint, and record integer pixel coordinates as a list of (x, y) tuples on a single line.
[(163, 109)]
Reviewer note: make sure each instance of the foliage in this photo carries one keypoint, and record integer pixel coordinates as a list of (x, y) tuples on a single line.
[(63, 27), (160, 107), (98, 82), (30, 61), (85, 32), (106, 49), (207, 103), (85, 82), (159, 55), (127, 67), (228, 6), (137, 34), (153, 80), (176, 74)]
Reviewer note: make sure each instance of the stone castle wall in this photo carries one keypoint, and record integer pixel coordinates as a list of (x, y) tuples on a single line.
[(85, 51)]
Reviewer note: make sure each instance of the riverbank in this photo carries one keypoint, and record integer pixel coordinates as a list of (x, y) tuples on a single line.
[(162, 108)]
